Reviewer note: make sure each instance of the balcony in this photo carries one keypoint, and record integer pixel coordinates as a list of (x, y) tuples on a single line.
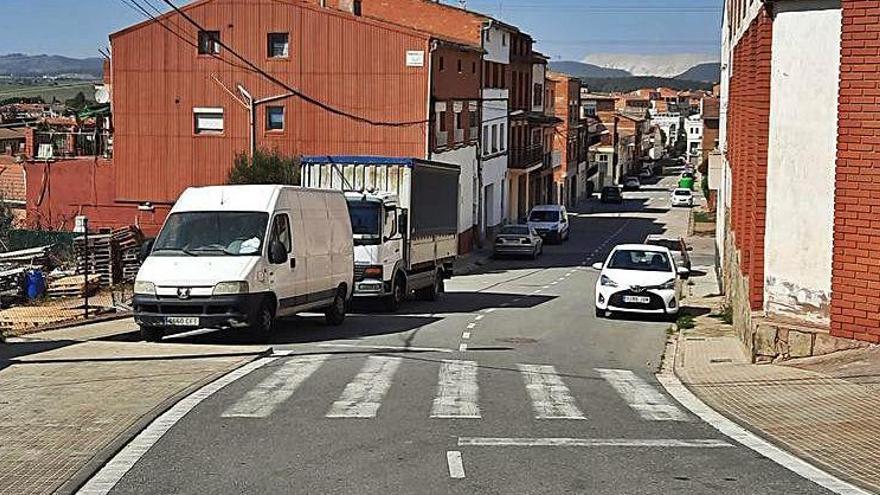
[(527, 157)]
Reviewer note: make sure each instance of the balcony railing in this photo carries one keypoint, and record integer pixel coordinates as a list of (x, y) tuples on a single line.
[(526, 157)]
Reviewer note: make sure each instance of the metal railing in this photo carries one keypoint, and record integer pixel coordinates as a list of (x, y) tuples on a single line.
[(526, 157)]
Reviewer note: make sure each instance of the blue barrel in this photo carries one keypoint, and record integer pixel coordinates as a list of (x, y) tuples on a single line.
[(34, 284)]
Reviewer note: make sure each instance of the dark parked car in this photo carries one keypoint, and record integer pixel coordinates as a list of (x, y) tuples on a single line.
[(611, 194), (678, 247)]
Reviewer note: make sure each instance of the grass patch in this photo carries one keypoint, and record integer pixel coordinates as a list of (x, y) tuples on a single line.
[(703, 217), (686, 322), (725, 315)]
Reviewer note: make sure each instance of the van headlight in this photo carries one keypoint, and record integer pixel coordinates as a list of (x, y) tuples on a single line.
[(668, 285), (229, 288), (607, 282), (144, 288)]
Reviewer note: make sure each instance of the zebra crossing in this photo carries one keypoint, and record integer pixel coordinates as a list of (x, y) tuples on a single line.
[(457, 394)]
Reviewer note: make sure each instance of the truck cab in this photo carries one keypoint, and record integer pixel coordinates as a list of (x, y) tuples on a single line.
[(379, 229)]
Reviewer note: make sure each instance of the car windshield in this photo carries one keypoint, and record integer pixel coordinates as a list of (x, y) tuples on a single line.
[(610, 190), (682, 192), (365, 222), (212, 233), (515, 230), (649, 261), (544, 216)]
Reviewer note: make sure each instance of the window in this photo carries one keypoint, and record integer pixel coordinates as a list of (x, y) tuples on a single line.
[(472, 116), (209, 42), (278, 45), (281, 231), (442, 118), (486, 150), (356, 7), (494, 139), (390, 227), (459, 66), (208, 120), (442, 64), (275, 118), (502, 138), (459, 120), (504, 39), (488, 35), (473, 67), (538, 95)]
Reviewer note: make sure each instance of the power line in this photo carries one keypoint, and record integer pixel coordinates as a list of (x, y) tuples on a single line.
[(296, 92)]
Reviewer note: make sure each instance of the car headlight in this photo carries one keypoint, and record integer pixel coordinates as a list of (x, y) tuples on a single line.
[(668, 285), (227, 288), (607, 282), (144, 288)]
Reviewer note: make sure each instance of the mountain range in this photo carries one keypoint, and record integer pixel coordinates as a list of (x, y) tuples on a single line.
[(706, 72), (19, 64)]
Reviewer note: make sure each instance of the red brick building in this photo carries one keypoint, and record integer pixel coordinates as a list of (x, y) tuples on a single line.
[(178, 100), (799, 197)]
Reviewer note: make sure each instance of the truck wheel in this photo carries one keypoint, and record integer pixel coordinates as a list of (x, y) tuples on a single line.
[(392, 302), (335, 313), (263, 322), (152, 334)]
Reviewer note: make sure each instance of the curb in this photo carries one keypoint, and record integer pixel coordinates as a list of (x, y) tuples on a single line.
[(74, 323), (106, 453)]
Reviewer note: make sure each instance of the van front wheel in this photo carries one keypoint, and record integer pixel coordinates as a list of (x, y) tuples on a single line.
[(335, 313), (152, 334), (263, 322)]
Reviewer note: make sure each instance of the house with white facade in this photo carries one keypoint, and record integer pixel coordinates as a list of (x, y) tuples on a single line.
[(694, 128), (496, 193)]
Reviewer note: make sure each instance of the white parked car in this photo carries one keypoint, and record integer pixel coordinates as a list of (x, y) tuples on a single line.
[(551, 222), (682, 197), (639, 278)]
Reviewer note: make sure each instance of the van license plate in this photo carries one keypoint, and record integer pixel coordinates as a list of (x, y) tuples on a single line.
[(637, 299), (182, 321)]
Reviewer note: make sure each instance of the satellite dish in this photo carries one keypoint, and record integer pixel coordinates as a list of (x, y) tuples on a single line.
[(102, 93)]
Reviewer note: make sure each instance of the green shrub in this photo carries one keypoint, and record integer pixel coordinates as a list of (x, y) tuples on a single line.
[(266, 167)]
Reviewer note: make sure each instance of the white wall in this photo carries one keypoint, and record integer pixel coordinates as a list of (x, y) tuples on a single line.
[(494, 172), (801, 159), (466, 158), (496, 49)]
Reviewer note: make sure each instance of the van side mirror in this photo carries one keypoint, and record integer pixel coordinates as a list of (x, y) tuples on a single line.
[(277, 252), (146, 249)]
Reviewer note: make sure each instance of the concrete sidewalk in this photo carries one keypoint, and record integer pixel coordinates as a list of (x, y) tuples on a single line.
[(66, 406)]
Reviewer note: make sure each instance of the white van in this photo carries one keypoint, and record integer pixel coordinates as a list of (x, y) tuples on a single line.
[(240, 256)]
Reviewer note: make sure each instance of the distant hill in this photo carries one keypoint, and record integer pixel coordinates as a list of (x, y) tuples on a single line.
[(580, 69), (632, 83), (19, 64), (703, 72)]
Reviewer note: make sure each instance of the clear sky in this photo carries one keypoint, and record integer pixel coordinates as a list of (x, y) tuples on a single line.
[(565, 29)]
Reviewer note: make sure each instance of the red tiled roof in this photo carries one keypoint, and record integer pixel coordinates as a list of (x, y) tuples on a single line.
[(12, 183)]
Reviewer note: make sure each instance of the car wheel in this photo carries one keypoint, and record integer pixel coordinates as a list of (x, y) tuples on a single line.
[(152, 334), (534, 255), (392, 302), (263, 322), (335, 313)]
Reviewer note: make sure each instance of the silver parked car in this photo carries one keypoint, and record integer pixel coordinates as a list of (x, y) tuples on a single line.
[(518, 240)]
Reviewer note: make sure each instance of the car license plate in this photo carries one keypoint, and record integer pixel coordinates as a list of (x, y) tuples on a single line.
[(182, 321), (637, 299)]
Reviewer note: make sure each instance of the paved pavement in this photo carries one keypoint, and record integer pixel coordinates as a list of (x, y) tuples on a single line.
[(63, 404), (508, 384)]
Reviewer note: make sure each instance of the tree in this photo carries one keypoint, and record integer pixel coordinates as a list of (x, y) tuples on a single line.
[(266, 167), (76, 103)]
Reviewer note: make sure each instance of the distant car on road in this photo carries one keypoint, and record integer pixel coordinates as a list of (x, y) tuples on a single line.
[(639, 278), (518, 240), (611, 194), (551, 222), (646, 173), (631, 184), (682, 197)]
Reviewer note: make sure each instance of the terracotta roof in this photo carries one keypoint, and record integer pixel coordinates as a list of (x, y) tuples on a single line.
[(12, 183), (11, 133)]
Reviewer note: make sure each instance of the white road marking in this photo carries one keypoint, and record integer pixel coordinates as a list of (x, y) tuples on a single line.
[(109, 475), (479, 317), (260, 401), (590, 442), (490, 310), (457, 391), (465, 335), (363, 395), (554, 283), (456, 468), (646, 400), (387, 347), (462, 347), (730, 429), (551, 398), (545, 287), (472, 325)]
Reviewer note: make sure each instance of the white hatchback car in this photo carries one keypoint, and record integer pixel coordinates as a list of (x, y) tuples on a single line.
[(639, 278), (682, 197)]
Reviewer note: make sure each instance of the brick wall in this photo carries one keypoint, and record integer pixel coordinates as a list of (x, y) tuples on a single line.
[(855, 299), (748, 129)]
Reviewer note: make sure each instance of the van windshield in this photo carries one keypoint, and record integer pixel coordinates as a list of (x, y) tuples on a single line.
[(544, 216), (212, 233), (365, 222)]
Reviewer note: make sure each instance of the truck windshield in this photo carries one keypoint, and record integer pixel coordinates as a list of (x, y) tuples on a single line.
[(212, 233), (365, 222)]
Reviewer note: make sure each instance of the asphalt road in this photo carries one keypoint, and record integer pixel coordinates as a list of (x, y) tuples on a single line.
[(509, 384)]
